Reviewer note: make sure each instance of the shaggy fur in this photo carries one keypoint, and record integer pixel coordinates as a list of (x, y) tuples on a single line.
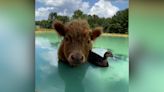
[(77, 42)]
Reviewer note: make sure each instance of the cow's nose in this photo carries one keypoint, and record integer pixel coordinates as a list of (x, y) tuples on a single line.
[(77, 57)]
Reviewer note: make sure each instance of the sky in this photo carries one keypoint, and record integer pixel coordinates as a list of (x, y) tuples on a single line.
[(102, 8)]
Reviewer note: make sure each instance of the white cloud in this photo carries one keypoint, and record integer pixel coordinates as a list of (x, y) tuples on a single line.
[(43, 12), (121, 1), (58, 3), (85, 7), (103, 8), (62, 7)]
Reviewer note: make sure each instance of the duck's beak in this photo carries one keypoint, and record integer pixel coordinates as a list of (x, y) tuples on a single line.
[(111, 55)]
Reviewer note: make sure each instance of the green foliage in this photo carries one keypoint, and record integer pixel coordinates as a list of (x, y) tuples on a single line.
[(44, 23), (117, 24), (79, 14), (52, 16)]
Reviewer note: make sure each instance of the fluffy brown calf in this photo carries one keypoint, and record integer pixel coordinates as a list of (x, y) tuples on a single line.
[(77, 42)]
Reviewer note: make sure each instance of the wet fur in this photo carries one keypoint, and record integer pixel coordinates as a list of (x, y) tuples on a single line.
[(77, 37)]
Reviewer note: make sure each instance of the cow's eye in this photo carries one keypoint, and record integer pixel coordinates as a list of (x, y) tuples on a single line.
[(66, 38), (88, 41)]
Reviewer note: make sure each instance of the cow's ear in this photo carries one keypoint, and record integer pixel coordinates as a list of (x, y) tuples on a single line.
[(59, 27), (96, 33)]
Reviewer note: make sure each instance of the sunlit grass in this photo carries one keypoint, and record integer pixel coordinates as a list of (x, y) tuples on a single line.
[(40, 31)]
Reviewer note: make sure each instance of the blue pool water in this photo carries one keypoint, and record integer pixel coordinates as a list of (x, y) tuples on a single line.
[(52, 76)]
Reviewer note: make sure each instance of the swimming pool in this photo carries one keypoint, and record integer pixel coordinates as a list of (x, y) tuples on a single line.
[(52, 76)]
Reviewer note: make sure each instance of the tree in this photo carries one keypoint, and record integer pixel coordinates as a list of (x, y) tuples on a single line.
[(79, 14), (117, 24), (52, 16)]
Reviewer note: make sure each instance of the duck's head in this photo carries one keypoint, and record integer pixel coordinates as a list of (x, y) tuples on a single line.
[(108, 54)]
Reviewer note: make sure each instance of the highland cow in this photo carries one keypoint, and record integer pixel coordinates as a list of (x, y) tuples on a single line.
[(77, 43)]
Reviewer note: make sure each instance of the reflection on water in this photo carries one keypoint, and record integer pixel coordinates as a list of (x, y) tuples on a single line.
[(73, 77), (118, 57), (52, 76)]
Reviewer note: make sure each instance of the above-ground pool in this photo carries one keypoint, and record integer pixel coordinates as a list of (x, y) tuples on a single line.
[(52, 76)]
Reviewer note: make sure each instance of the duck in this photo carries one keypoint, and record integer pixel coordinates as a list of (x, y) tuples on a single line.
[(98, 60)]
